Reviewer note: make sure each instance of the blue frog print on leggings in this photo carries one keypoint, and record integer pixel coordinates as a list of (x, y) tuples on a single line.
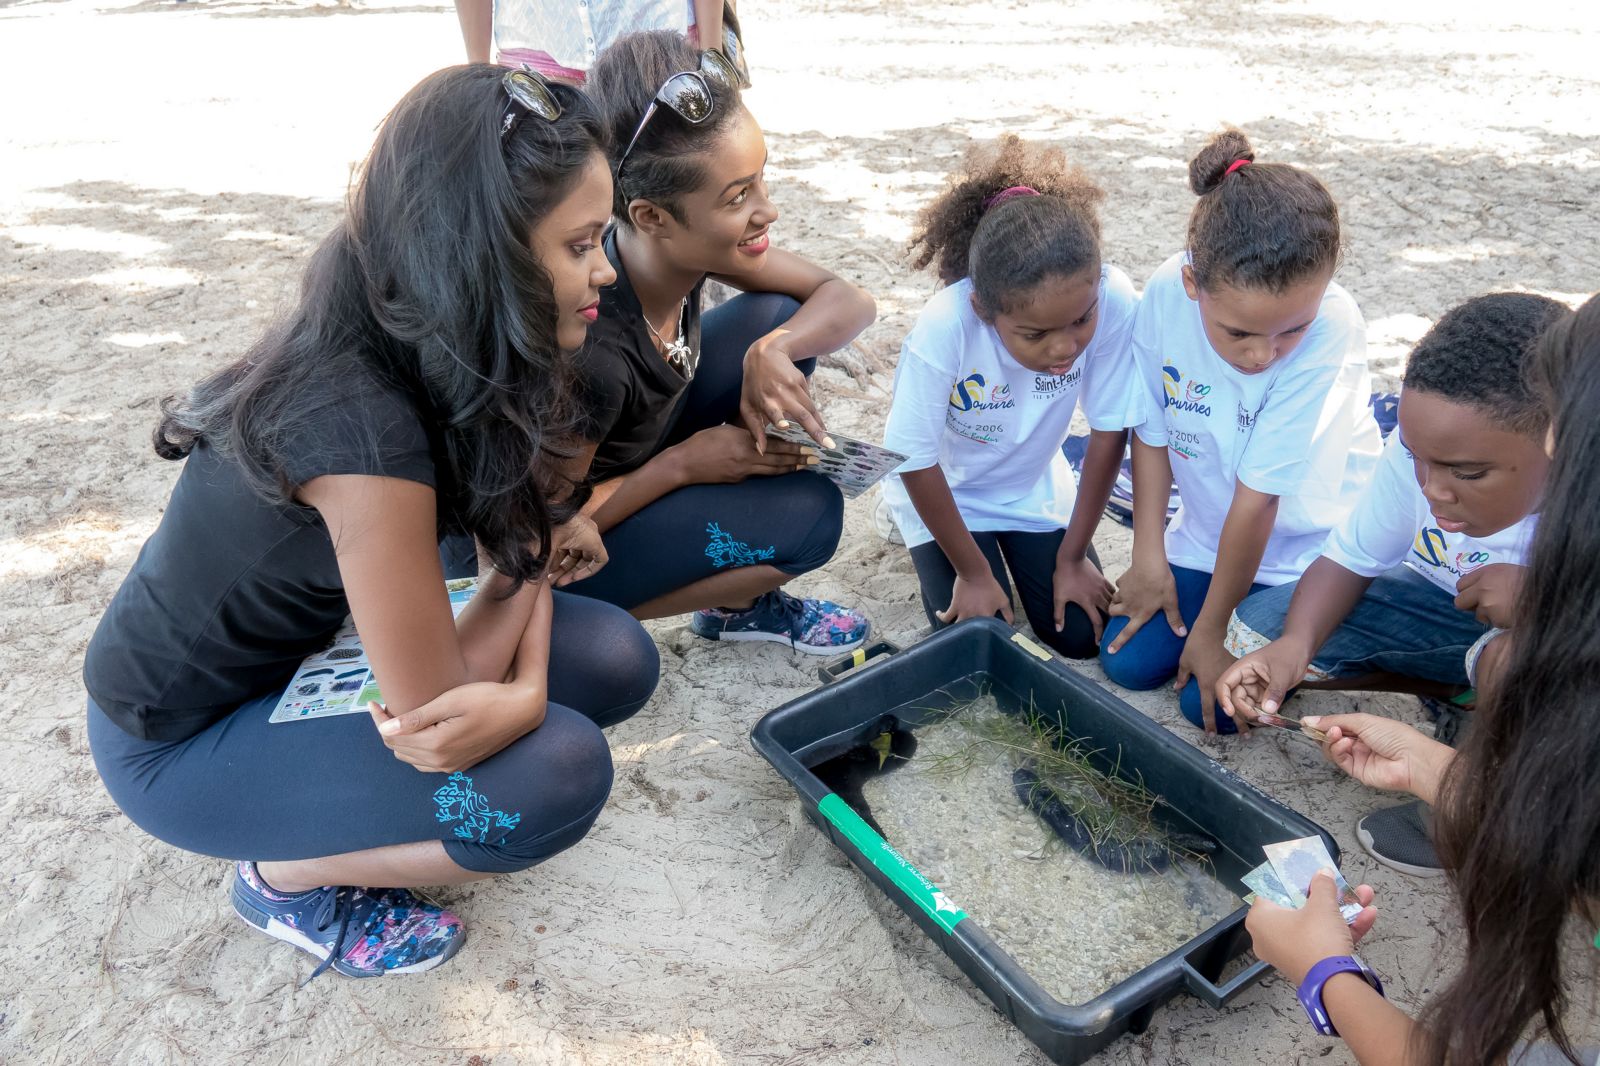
[(723, 550), (459, 802)]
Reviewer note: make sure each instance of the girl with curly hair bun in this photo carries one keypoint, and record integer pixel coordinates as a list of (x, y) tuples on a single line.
[(1031, 326), (1253, 363)]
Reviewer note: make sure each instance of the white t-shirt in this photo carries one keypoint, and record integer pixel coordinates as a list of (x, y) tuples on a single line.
[(573, 34), (1301, 430), (1393, 524), (993, 426)]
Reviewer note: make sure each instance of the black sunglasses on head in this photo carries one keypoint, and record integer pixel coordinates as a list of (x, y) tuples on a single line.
[(526, 91), (688, 95)]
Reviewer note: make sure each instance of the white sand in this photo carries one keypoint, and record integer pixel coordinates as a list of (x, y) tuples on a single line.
[(164, 170)]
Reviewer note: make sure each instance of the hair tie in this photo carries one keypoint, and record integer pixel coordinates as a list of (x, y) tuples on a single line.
[(1235, 165), (1009, 194)]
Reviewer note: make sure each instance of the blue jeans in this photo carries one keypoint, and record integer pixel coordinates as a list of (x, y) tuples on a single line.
[(1405, 624), (1151, 657)]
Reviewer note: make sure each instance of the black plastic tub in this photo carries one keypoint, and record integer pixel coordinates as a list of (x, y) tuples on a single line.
[(836, 718)]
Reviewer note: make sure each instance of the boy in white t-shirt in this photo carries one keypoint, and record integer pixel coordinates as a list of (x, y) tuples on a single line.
[(1031, 326), (1432, 557), (1253, 365)]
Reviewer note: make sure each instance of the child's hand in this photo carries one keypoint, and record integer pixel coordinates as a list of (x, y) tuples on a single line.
[(1079, 581), (1141, 593), (1293, 941), (1206, 660), (1491, 592), (1260, 681), (1383, 753), (980, 597), (576, 551)]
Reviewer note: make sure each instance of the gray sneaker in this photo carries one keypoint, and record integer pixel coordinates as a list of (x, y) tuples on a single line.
[(1398, 837)]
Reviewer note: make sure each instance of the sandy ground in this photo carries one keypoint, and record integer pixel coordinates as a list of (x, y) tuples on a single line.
[(164, 169)]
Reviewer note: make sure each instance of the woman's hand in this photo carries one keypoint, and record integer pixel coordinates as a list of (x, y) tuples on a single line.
[(979, 597), (576, 551), (1293, 941), (1383, 753), (462, 727), (1205, 659), (725, 454), (775, 391), (1491, 592), (1260, 681), (1079, 581), (1142, 592)]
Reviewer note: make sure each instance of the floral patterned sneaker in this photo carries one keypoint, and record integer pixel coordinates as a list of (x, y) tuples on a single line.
[(359, 932), (816, 627)]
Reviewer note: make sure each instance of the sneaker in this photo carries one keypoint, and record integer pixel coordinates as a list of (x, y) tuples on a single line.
[(359, 932), (816, 627), (1398, 838)]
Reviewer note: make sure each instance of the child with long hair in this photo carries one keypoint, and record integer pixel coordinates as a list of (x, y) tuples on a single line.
[(1031, 326), (419, 386), (1253, 361), (1516, 820), (1434, 553), (700, 511)]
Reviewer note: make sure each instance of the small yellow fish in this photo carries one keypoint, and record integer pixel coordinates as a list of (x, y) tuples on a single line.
[(881, 744)]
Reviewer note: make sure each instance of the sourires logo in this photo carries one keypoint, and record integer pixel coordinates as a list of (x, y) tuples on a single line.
[(969, 392), (1192, 392)]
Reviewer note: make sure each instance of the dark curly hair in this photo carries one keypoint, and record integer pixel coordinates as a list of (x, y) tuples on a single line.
[(1517, 825), (428, 284), (1265, 226), (1010, 247), (1478, 354), (669, 159)]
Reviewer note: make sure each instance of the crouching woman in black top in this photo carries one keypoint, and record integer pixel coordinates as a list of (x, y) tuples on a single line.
[(701, 511), (419, 387)]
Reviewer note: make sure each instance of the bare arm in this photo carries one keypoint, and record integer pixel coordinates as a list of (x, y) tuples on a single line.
[(832, 312), (976, 593), (1152, 489), (1101, 462), (477, 27), (708, 23), (1324, 596), (617, 498), (1376, 1031), (1244, 540), (384, 534)]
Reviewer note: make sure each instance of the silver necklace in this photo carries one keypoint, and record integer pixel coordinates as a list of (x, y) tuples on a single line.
[(678, 353)]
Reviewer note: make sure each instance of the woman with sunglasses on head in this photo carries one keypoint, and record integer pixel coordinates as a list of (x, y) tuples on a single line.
[(700, 510), (422, 384), (1516, 808)]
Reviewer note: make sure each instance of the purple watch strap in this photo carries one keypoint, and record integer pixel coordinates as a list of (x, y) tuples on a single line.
[(1310, 992)]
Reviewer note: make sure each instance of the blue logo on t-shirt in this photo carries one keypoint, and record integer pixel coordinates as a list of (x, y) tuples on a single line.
[(1192, 395)]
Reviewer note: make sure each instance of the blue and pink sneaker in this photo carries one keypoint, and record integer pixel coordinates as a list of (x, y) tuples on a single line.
[(816, 627), (360, 932)]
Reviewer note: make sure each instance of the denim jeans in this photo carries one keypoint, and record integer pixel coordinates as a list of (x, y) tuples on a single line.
[(1405, 624), (1151, 657)]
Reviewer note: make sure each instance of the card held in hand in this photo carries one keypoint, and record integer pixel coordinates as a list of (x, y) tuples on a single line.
[(854, 465), (1296, 862)]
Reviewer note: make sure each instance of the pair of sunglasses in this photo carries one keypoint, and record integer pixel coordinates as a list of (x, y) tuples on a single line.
[(526, 93), (688, 94)]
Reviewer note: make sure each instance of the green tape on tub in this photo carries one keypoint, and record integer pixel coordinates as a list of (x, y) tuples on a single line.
[(922, 891)]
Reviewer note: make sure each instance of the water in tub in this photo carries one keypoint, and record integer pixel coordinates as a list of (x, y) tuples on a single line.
[(950, 803)]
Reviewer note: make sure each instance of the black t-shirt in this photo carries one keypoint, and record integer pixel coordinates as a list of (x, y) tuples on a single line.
[(232, 590), (634, 394)]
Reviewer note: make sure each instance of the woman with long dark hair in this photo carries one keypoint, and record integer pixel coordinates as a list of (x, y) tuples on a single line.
[(701, 511), (420, 387), (1516, 809)]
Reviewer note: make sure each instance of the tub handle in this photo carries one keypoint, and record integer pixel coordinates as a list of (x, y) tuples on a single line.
[(834, 669), (1218, 996)]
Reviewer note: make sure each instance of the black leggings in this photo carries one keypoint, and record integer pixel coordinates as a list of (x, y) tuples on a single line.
[(248, 789), (792, 522), (1032, 559)]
